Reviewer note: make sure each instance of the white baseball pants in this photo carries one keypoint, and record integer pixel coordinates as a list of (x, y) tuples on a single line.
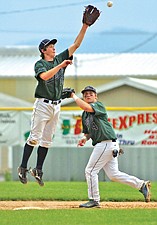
[(102, 158), (43, 124)]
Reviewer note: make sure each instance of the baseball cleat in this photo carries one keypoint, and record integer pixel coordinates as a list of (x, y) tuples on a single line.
[(38, 175), (145, 190), (22, 173), (90, 204)]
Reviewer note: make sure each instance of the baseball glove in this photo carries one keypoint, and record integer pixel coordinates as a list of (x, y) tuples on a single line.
[(90, 15), (66, 93)]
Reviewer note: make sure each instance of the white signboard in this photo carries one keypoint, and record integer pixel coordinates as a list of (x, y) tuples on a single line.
[(133, 128)]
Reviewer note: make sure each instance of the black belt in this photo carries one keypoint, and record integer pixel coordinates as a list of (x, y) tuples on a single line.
[(52, 102), (114, 140)]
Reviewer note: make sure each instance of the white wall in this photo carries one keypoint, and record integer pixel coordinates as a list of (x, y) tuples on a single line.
[(68, 164)]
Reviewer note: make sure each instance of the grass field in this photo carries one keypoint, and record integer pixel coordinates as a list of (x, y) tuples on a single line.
[(70, 191), (80, 217), (75, 191)]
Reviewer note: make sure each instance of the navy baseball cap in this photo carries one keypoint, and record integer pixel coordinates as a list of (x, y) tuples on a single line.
[(88, 88), (46, 42)]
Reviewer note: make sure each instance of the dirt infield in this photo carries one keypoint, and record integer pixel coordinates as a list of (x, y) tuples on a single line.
[(23, 205)]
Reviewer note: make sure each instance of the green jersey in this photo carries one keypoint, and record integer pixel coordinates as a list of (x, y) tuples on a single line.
[(50, 89), (96, 124)]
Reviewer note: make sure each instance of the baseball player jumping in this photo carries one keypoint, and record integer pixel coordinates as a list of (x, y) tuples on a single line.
[(49, 72), (106, 148)]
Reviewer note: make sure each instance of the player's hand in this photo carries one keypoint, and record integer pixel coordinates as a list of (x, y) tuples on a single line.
[(82, 142), (66, 62), (72, 94)]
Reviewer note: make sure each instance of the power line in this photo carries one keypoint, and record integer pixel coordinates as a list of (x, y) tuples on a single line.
[(129, 33), (23, 31), (125, 51), (149, 39), (142, 43), (46, 7)]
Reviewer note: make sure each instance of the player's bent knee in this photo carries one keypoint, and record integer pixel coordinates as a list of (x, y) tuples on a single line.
[(46, 144), (32, 142), (89, 172), (113, 178)]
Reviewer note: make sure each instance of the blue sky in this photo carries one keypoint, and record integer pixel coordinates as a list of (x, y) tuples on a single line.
[(28, 22)]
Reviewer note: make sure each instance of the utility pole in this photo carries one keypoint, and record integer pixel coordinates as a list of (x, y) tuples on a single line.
[(75, 75)]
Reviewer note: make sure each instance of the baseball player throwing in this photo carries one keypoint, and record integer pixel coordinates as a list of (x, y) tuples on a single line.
[(106, 149), (49, 72)]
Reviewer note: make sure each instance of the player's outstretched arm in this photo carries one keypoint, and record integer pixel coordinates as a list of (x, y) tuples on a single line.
[(90, 15), (78, 40)]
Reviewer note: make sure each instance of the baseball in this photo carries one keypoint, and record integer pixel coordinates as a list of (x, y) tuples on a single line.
[(109, 4)]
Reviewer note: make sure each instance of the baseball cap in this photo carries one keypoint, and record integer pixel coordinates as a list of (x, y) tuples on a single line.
[(88, 88), (46, 42)]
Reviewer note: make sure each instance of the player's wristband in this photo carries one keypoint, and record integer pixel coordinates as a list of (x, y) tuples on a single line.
[(85, 138), (75, 97)]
